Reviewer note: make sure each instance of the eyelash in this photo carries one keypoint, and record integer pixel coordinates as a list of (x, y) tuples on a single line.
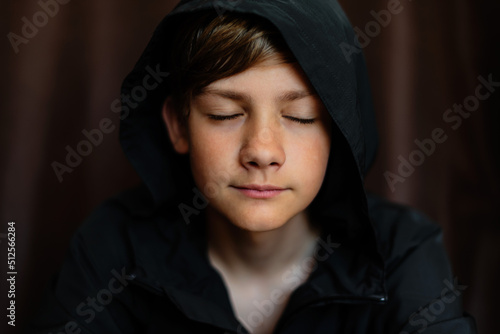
[(300, 120), (230, 117), (223, 117)]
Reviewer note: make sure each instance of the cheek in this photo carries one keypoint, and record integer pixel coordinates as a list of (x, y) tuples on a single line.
[(313, 151), (311, 161), (211, 156), (322, 144)]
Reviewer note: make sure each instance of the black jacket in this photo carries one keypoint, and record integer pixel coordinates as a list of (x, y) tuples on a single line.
[(138, 265)]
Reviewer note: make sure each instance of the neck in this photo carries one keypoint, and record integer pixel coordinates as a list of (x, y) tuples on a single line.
[(259, 254)]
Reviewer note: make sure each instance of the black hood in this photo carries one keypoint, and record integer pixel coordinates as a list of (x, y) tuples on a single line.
[(317, 33)]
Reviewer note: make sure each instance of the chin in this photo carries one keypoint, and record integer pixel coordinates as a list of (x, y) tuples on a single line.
[(252, 218), (259, 227), (257, 223)]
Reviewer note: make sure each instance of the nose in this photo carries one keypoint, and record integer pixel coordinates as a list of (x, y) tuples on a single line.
[(262, 147)]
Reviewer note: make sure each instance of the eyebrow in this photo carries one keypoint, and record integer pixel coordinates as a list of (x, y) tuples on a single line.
[(238, 96)]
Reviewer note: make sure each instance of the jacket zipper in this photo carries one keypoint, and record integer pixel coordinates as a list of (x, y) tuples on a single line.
[(323, 302), (145, 285), (282, 324)]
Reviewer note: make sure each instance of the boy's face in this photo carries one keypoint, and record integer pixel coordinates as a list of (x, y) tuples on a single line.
[(258, 143)]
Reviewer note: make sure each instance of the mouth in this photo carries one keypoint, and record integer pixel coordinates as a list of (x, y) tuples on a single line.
[(260, 191)]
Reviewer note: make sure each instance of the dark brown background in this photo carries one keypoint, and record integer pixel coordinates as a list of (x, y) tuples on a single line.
[(65, 78)]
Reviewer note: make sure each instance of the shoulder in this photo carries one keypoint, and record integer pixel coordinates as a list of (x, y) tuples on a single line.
[(402, 230), (107, 239), (97, 267), (422, 290)]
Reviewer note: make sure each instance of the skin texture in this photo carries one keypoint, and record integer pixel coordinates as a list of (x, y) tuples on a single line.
[(262, 127)]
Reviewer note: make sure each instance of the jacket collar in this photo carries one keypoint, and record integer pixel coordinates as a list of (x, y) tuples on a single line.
[(175, 264)]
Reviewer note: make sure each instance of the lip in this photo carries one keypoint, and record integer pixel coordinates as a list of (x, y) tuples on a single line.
[(260, 191)]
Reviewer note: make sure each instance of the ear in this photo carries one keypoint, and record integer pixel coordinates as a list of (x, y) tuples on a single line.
[(176, 130)]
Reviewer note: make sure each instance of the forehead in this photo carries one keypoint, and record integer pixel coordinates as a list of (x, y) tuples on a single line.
[(282, 82)]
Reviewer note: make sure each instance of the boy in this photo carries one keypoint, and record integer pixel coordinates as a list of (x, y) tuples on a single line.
[(253, 217)]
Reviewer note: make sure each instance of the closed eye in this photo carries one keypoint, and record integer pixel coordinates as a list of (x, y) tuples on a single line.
[(301, 120), (223, 117)]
